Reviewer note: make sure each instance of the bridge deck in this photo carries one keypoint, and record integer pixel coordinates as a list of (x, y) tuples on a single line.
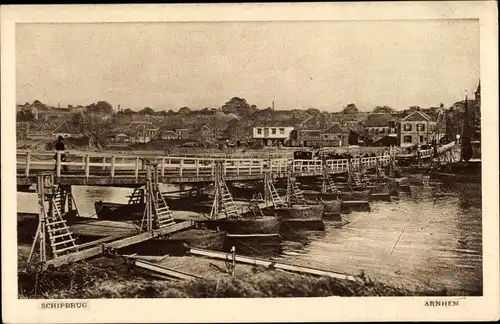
[(88, 168)]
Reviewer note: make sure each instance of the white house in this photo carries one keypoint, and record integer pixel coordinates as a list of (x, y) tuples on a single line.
[(142, 132), (65, 131), (272, 135)]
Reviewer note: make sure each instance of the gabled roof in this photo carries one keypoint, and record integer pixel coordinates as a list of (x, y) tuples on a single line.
[(63, 128), (200, 128), (136, 125), (378, 120), (417, 116), (169, 132), (335, 128)]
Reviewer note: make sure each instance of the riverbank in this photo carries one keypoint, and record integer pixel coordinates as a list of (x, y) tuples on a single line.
[(114, 278)]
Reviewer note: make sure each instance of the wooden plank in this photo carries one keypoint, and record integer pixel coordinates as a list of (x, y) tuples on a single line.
[(91, 252), (99, 241), (144, 265), (251, 235), (269, 263), (146, 257)]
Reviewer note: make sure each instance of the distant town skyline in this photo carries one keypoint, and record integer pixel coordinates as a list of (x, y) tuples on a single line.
[(298, 65)]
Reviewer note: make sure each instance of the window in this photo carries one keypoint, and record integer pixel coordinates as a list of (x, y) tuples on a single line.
[(407, 127), (259, 131), (407, 139), (421, 138), (325, 136), (282, 131), (273, 131), (421, 127)]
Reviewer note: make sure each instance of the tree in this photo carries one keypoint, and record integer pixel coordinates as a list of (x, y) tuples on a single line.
[(162, 113), (127, 111), (146, 111), (313, 111), (101, 107), (95, 126), (184, 110), (232, 129), (350, 109), (238, 106), (383, 110), (25, 115)]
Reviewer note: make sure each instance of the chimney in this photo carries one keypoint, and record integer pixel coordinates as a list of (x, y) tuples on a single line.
[(273, 104)]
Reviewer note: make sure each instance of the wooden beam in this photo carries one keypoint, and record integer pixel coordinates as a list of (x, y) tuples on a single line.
[(144, 265), (269, 263), (91, 252), (99, 241)]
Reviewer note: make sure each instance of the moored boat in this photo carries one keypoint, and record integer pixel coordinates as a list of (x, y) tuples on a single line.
[(259, 235), (332, 209), (183, 202), (299, 216), (244, 229), (356, 195), (176, 244), (244, 225), (245, 190), (116, 211)]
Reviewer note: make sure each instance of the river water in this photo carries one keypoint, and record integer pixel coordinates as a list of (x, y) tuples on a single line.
[(428, 238)]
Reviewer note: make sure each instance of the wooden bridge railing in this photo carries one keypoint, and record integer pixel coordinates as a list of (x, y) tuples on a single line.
[(430, 152), (87, 164)]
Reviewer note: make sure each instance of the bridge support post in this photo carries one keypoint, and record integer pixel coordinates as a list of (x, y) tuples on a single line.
[(113, 159), (40, 239), (58, 164), (27, 170), (136, 169), (87, 166)]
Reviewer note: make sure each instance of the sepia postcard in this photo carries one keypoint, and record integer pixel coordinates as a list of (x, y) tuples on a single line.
[(250, 162)]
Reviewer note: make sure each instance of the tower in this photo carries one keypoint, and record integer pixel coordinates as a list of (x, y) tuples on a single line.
[(476, 122), (478, 94)]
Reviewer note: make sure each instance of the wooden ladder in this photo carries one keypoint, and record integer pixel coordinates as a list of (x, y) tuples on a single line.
[(275, 198), (163, 213), (60, 199), (253, 206), (396, 167), (59, 234), (226, 201), (330, 185), (364, 177), (296, 195), (356, 178), (223, 203), (380, 170)]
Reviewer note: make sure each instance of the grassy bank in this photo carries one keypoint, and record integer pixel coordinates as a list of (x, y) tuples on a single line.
[(110, 278)]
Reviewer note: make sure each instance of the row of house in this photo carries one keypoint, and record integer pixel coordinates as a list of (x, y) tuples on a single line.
[(145, 132), (40, 132), (378, 129)]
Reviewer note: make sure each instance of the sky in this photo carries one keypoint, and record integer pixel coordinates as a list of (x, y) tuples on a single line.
[(299, 65)]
